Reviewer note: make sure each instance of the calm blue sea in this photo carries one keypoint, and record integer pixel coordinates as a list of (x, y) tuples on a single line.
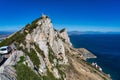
[(105, 46)]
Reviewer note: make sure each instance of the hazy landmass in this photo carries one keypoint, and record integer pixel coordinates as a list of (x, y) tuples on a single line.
[(90, 32), (4, 34)]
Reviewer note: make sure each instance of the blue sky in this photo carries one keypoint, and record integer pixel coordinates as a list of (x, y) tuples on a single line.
[(80, 15)]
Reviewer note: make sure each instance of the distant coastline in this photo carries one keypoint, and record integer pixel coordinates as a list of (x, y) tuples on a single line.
[(4, 34), (90, 32)]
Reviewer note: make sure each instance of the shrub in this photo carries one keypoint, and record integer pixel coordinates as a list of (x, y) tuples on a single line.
[(22, 59)]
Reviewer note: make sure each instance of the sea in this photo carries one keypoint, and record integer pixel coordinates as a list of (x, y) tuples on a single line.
[(105, 46)]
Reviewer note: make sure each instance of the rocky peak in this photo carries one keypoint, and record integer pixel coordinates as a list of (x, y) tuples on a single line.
[(44, 53), (51, 42), (65, 36)]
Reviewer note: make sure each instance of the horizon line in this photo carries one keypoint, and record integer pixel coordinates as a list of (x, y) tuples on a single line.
[(69, 31)]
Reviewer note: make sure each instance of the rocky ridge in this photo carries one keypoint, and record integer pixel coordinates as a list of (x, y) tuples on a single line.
[(42, 53)]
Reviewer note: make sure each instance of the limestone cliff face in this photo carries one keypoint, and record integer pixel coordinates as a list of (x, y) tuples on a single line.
[(47, 54)]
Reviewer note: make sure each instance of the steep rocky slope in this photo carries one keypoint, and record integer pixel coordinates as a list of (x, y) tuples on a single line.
[(42, 53)]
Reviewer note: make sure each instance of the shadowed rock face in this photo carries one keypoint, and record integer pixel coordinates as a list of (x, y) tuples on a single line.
[(48, 54)]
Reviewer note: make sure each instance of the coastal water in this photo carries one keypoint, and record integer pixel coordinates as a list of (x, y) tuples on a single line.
[(107, 49)]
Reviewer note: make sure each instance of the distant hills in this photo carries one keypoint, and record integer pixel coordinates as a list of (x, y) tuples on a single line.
[(90, 32)]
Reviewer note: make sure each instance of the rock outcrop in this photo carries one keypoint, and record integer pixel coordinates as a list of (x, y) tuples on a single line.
[(85, 53), (46, 54)]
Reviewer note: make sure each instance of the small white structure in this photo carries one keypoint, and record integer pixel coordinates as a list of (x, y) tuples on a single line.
[(100, 68), (96, 66)]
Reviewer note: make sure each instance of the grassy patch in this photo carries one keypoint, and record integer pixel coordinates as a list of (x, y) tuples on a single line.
[(25, 73), (34, 58), (60, 71), (22, 59), (49, 76), (51, 55), (18, 37)]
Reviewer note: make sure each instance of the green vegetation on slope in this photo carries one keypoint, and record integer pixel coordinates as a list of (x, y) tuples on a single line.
[(49, 76), (18, 37), (51, 54), (60, 71), (34, 58), (25, 73), (22, 59)]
